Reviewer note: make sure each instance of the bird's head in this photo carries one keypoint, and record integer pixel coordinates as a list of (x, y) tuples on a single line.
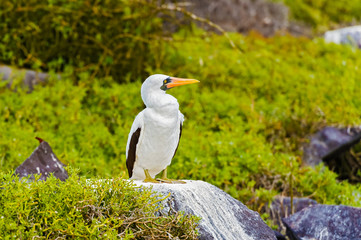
[(164, 82), (159, 83)]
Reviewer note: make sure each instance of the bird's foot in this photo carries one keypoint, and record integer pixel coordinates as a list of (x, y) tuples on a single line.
[(148, 178), (151, 180), (170, 181)]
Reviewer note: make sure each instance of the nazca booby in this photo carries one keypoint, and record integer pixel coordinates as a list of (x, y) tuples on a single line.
[(154, 136)]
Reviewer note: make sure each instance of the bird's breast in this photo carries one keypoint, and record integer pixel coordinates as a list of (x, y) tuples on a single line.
[(160, 137), (160, 126)]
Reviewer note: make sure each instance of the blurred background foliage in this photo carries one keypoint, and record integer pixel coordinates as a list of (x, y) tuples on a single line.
[(111, 37), (323, 14), (245, 122)]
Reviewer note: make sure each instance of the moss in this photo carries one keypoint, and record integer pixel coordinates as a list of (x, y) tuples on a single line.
[(323, 14), (87, 209), (245, 122)]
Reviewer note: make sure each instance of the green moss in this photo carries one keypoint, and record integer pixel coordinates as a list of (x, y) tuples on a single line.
[(323, 14), (245, 122), (86, 209)]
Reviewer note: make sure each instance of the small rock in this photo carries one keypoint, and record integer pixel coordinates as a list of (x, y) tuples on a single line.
[(323, 143), (348, 35), (331, 146), (325, 222), (281, 208), (30, 78), (223, 217), (42, 161)]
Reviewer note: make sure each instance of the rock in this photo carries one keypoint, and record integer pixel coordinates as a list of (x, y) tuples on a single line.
[(29, 77), (323, 143), (42, 161), (348, 35), (223, 217), (325, 222), (281, 208), (331, 145), (263, 16)]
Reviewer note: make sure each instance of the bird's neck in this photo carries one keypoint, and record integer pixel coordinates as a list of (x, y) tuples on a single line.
[(162, 103)]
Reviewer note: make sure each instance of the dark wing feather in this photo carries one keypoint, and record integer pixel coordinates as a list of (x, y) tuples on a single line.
[(131, 151), (180, 134)]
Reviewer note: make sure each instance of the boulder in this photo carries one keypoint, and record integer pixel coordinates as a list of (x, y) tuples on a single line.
[(325, 222), (222, 216), (42, 161), (263, 16), (331, 146), (327, 142)]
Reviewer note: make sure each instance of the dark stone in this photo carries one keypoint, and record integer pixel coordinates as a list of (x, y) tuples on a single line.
[(223, 217), (42, 161), (280, 236), (332, 146), (325, 142), (281, 208), (325, 222)]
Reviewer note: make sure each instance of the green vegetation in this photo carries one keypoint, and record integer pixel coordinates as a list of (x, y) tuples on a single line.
[(245, 122), (322, 14), (109, 37), (83, 209)]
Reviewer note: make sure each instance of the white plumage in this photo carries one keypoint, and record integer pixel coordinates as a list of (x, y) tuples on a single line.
[(155, 133)]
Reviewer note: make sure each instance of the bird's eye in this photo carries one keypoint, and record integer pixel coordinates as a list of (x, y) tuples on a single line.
[(165, 81)]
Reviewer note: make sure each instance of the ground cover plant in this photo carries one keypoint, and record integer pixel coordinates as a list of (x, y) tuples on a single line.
[(245, 122), (323, 14), (86, 209)]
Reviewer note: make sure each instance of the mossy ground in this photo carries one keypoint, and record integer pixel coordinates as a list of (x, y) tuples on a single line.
[(81, 208), (245, 122)]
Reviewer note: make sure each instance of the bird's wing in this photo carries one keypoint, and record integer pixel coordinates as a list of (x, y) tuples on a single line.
[(133, 139), (180, 134), (181, 117)]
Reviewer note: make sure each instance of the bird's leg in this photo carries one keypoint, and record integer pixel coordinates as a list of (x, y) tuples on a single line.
[(167, 180), (148, 178)]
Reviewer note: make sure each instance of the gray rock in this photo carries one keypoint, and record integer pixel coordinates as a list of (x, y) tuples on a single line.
[(348, 35), (5, 72), (29, 77), (328, 143), (223, 217), (325, 222), (332, 146), (281, 208), (42, 161), (263, 16)]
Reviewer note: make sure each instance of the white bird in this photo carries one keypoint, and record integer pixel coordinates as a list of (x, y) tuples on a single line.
[(154, 137)]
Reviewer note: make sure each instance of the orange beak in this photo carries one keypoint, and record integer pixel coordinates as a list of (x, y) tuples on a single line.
[(175, 82)]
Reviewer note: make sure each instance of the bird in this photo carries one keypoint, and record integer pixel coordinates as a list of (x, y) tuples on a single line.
[(155, 133)]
